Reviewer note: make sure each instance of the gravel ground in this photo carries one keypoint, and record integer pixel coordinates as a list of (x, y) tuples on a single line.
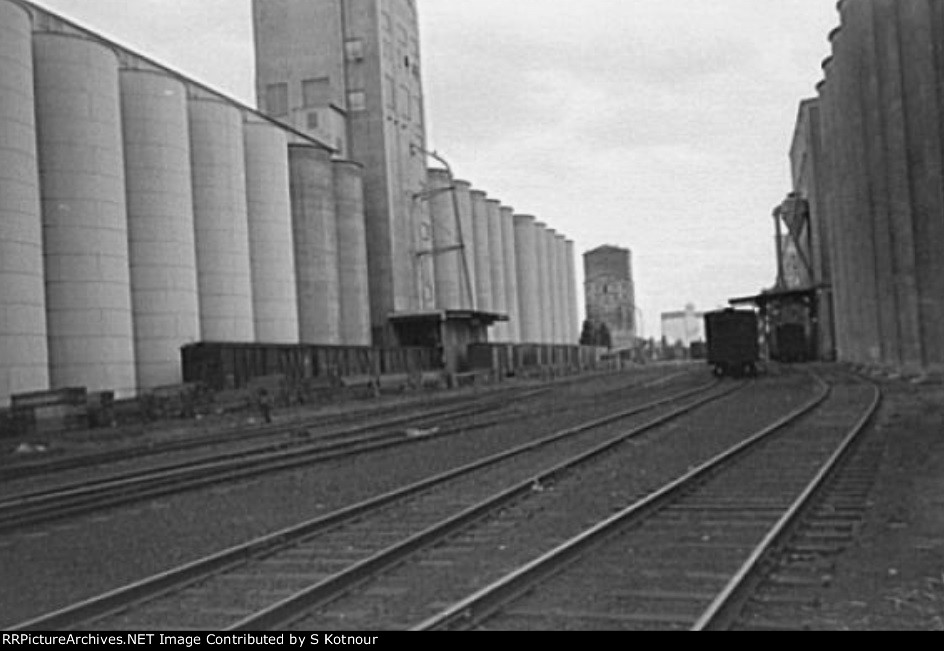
[(892, 578), (558, 511), (48, 568)]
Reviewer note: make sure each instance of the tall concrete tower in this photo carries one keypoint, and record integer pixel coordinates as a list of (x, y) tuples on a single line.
[(348, 73), (611, 293)]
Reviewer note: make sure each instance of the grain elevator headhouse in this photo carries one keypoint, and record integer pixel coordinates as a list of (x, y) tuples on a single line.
[(348, 73)]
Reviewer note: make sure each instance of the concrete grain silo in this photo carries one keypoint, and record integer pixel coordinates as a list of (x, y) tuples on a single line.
[(221, 222), (511, 274), (483, 256), (879, 111), (889, 170), (447, 258), (91, 341), (352, 254), (572, 298), (23, 348), (869, 171), (496, 247), (271, 240), (545, 329), (162, 254), (552, 315), (529, 284), (855, 198), (314, 217), (563, 294), (466, 238), (830, 191), (919, 31)]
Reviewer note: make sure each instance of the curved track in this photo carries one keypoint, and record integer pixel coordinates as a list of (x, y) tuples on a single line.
[(687, 556)]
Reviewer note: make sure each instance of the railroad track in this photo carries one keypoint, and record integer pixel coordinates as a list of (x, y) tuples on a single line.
[(689, 556), (19, 511), (278, 578), (387, 416), (283, 435)]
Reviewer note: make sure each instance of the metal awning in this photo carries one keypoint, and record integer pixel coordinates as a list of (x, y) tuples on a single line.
[(762, 300), (442, 316)]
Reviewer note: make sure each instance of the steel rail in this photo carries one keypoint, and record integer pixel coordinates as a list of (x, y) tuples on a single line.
[(34, 508), (96, 608), (295, 606), (724, 609), (492, 598)]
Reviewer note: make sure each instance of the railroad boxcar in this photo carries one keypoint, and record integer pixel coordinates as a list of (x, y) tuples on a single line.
[(733, 342)]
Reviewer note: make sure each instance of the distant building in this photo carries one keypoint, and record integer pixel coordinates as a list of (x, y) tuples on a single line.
[(611, 293), (686, 327)]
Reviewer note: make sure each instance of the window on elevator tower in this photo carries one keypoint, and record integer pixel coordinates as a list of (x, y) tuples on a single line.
[(277, 100)]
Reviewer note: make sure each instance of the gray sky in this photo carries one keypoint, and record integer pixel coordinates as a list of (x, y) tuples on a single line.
[(658, 125)]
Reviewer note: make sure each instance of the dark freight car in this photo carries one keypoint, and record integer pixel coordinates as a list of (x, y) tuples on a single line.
[(733, 342)]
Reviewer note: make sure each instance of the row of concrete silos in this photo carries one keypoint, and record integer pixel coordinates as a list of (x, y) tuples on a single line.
[(139, 213), (881, 106), (489, 259)]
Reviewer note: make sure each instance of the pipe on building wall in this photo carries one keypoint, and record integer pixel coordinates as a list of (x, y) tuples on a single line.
[(88, 285), (24, 355), (447, 257), (163, 266)]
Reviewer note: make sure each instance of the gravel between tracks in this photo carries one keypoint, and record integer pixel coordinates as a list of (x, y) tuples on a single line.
[(892, 578), (51, 567)]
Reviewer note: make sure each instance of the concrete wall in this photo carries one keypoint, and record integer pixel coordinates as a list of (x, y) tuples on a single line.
[(314, 218), (271, 243), (164, 294), (23, 349)]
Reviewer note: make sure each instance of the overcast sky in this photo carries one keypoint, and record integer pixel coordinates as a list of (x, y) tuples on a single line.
[(662, 126)]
